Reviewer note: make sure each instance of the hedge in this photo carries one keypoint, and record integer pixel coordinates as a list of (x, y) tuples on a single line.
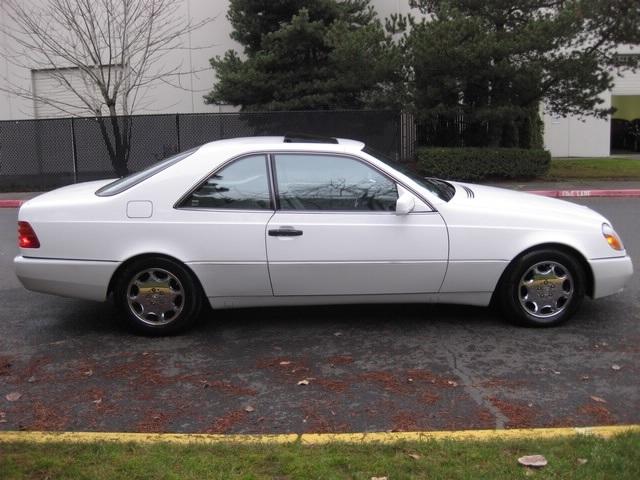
[(482, 163)]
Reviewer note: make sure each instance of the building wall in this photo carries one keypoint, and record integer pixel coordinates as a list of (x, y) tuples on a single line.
[(587, 136)]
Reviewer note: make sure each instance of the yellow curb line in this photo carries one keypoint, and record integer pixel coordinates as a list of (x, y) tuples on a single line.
[(313, 438)]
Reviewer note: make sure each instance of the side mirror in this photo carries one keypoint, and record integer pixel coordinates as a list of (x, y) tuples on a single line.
[(405, 203)]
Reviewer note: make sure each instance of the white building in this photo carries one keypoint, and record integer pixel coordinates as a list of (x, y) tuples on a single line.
[(563, 136)]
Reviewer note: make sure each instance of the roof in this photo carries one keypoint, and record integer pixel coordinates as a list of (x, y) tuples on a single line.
[(274, 142)]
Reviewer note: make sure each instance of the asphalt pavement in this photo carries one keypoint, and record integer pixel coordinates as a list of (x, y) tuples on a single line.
[(368, 368)]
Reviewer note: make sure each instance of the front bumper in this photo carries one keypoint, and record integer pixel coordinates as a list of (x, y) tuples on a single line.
[(610, 275), (85, 279)]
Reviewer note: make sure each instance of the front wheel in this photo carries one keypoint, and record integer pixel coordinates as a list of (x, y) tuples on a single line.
[(542, 288), (157, 296)]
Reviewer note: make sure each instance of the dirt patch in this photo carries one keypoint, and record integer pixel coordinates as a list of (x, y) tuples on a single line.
[(224, 423), (386, 380), (337, 386), (141, 370), (501, 383), (404, 422), (285, 366), (5, 365), (600, 413), (484, 417), (519, 416), (430, 398), (316, 422), (228, 387), (48, 418), (341, 360), (37, 368), (153, 422), (429, 377)]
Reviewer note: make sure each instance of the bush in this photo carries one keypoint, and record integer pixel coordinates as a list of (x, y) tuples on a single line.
[(482, 163)]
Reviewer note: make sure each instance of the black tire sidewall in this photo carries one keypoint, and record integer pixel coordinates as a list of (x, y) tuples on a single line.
[(509, 288), (192, 297)]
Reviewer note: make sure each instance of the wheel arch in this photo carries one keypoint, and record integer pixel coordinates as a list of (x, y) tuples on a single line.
[(590, 282), (135, 258)]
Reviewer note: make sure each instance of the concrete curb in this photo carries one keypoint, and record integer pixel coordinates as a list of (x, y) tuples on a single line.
[(11, 203), (623, 193), (314, 438)]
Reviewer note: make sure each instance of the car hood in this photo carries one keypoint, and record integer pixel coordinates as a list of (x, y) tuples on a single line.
[(521, 204)]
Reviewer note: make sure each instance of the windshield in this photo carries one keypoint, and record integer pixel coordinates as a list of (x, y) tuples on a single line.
[(440, 188), (129, 181)]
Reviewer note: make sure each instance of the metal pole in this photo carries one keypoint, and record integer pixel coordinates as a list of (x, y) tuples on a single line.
[(74, 152)]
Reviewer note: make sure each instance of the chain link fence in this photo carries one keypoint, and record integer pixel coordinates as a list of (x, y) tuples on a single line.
[(43, 154)]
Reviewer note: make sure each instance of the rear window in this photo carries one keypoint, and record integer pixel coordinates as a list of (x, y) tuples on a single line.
[(129, 181)]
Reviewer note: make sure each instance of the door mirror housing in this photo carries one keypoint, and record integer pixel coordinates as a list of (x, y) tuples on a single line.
[(406, 202)]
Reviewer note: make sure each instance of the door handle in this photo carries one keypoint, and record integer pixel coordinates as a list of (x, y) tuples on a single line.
[(285, 232)]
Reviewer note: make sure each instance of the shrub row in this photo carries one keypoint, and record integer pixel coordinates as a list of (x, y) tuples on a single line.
[(482, 163)]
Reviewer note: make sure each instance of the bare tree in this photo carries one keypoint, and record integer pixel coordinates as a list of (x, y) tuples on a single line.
[(104, 53)]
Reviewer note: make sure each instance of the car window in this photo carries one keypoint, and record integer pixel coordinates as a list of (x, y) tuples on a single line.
[(331, 182), (241, 185), (125, 183), (442, 189)]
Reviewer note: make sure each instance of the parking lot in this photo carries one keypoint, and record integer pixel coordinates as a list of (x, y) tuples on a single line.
[(329, 369)]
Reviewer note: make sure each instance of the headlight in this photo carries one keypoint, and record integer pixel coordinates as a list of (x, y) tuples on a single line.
[(612, 237)]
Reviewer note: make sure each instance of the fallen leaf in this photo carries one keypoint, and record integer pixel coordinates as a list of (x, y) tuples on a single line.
[(615, 367), (13, 396), (249, 409), (285, 363), (582, 461), (598, 399), (536, 461), (415, 456), (303, 382)]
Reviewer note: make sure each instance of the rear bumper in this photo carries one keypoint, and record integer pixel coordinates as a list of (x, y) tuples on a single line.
[(610, 275), (68, 278)]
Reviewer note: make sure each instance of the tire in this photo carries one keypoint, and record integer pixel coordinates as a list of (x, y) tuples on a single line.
[(547, 301), (157, 296)]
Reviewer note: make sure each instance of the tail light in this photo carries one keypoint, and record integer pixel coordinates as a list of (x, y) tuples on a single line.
[(27, 238)]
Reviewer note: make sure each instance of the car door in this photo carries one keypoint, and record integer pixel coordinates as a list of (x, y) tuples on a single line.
[(224, 221), (336, 231)]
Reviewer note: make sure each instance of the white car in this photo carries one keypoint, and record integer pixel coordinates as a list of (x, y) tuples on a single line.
[(265, 221)]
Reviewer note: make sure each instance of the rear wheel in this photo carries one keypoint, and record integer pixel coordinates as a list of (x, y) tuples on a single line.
[(542, 288), (157, 296)]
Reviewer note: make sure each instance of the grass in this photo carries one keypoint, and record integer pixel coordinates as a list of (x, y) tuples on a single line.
[(618, 457), (607, 168)]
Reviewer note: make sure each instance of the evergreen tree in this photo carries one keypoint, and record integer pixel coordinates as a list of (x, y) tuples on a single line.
[(306, 54), (491, 63)]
